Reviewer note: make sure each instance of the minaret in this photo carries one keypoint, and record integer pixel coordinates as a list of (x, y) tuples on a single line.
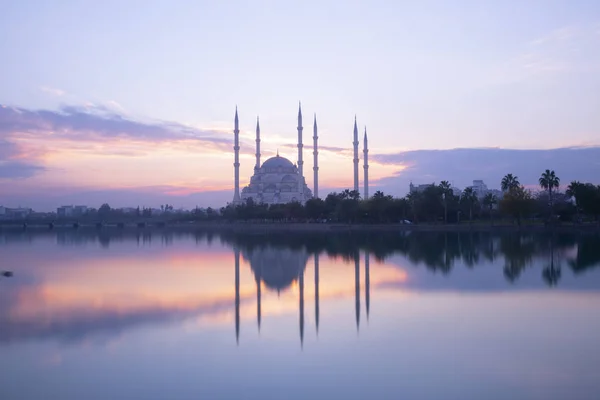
[(257, 166), (317, 291), (357, 287), (237, 295), (367, 283), (366, 166), (301, 285), (355, 143), (300, 162), (315, 160), (236, 163)]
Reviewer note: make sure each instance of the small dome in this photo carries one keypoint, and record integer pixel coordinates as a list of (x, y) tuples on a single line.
[(277, 161)]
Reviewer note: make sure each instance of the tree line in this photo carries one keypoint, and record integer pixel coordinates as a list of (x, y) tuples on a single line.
[(437, 203)]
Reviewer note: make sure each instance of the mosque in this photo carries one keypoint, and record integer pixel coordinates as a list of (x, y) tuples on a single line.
[(278, 180)]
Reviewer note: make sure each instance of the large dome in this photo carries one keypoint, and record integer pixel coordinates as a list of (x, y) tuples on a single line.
[(277, 161)]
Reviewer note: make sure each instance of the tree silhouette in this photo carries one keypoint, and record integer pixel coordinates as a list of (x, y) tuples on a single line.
[(469, 198), (489, 200), (509, 182), (549, 181)]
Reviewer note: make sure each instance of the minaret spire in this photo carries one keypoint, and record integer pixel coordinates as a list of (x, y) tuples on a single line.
[(366, 166), (355, 143), (315, 160), (257, 166), (236, 163), (300, 145)]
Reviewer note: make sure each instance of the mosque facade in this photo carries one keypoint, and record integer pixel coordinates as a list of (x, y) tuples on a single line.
[(278, 180)]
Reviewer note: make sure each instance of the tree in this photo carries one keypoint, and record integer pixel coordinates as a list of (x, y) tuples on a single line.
[(379, 208), (378, 195), (104, 211), (488, 201), (446, 192), (587, 197), (549, 181), (469, 198), (354, 195), (315, 209), (517, 202), (509, 182), (574, 191)]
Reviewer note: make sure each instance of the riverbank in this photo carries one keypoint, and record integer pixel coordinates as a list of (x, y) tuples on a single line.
[(298, 227)]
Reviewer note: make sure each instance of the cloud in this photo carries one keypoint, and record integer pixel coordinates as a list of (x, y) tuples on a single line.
[(18, 169), (566, 49), (330, 149), (10, 164), (462, 166), (94, 122), (52, 91), (559, 35)]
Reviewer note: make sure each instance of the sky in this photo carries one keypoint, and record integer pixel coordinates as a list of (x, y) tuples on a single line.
[(132, 103)]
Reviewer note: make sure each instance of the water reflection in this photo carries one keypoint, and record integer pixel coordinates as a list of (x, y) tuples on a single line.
[(99, 315), (73, 285), (278, 268)]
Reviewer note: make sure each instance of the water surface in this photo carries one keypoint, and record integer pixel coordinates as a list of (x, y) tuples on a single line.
[(157, 315)]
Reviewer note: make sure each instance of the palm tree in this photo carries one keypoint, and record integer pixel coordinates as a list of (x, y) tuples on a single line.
[(470, 198), (573, 188), (549, 181), (572, 192), (446, 191), (509, 182), (489, 200)]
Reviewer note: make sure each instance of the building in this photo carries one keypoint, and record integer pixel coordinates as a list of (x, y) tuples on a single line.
[(420, 188), (479, 188), (18, 213), (279, 180), (71, 211), (2, 210)]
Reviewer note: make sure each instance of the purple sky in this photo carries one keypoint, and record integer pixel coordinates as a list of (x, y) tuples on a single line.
[(132, 102)]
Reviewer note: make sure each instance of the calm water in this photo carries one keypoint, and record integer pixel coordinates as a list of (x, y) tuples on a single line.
[(386, 316)]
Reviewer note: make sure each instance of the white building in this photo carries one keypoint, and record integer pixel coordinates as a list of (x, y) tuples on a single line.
[(277, 181)]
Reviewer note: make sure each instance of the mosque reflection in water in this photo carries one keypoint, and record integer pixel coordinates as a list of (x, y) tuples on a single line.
[(278, 268)]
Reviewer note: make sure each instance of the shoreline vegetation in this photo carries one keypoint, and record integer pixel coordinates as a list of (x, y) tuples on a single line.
[(428, 208)]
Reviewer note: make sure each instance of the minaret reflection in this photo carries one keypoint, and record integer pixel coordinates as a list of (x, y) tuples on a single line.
[(237, 295), (367, 284), (317, 291), (301, 306), (277, 269), (258, 296), (357, 287)]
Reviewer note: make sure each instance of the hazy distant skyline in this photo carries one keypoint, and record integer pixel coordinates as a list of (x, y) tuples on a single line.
[(138, 97)]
